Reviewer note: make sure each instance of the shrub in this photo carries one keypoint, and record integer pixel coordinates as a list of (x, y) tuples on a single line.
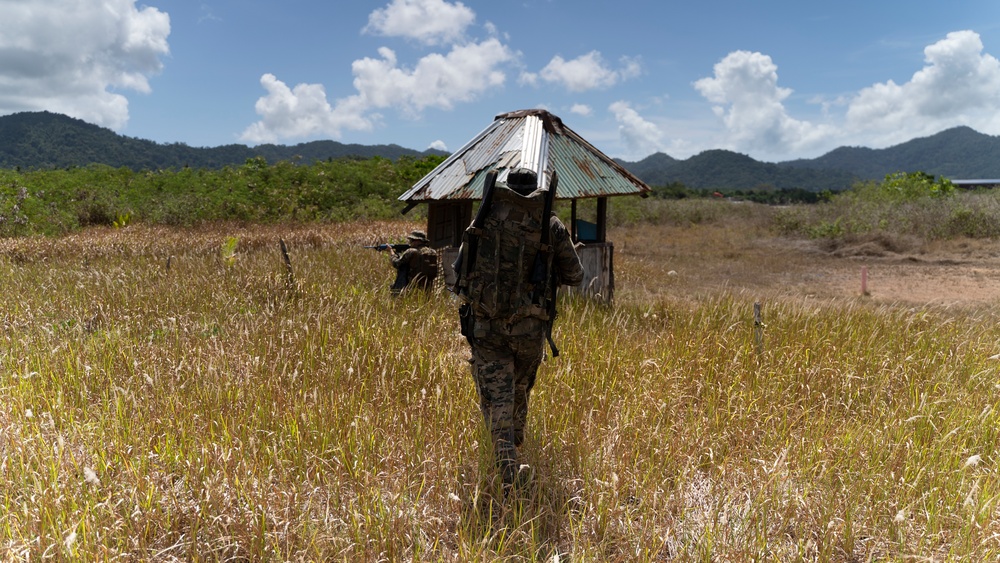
[(902, 186), (910, 204)]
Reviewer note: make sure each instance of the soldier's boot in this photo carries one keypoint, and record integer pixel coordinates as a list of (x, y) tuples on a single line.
[(518, 437), (519, 422), (513, 473), (507, 463)]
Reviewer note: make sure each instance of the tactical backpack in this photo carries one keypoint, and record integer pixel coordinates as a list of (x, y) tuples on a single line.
[(427, 268), (499, 284)]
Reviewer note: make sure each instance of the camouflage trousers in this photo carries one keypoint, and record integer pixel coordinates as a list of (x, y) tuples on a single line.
[(505, 359)]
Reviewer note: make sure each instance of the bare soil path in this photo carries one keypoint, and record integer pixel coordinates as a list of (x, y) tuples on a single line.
[(707, 258)]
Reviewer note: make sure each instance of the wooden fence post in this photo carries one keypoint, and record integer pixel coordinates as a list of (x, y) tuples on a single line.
[(289, 275), (758, 328)]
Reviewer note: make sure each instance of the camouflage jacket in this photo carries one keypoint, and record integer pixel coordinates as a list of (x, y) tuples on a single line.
[(501, 285), (421, 264)]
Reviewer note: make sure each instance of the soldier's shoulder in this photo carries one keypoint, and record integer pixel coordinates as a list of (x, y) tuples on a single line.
[(556, 227)]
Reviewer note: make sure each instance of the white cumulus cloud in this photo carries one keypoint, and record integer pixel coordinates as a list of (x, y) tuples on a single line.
[(586, 72), (302, 111), (640, 136), (750, 102), (432, 22), (437, 81), (69, 56), (581, 109), (959, 85)]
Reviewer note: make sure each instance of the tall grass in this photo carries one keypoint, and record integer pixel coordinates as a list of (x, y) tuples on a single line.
[(211, 411)]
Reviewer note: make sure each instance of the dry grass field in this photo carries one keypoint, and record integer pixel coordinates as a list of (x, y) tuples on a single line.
[(172, 395)]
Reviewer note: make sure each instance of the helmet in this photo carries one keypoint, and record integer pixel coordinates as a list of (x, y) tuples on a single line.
[(522, 180), (418, 235)]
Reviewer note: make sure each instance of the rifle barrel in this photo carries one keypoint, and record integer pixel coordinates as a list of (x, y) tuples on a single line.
[(470, 238)]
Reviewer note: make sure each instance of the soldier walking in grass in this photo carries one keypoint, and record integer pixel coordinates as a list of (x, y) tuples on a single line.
[(416, 266), (508, 271)]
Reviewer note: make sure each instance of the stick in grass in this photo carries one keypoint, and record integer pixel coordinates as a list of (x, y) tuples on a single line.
[(758, 328), (288, 263)]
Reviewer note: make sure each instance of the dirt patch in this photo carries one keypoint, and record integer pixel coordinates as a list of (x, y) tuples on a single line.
[(944, 281), (961, 272), (900, 271), (877, 245)]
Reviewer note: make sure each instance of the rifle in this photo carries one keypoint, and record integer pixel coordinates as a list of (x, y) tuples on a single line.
[(542, 277), (398, 247), (470, 238), (467, 256), (402, 270)]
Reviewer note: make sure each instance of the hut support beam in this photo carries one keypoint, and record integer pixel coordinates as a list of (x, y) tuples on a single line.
[(602, 219)]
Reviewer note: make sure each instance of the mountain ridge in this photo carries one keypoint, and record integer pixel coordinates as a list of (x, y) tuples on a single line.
[(39, 140), (36, 140), (956, 153)]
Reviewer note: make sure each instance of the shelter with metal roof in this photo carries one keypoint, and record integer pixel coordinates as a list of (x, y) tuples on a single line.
[(537, 140), (977, 183)]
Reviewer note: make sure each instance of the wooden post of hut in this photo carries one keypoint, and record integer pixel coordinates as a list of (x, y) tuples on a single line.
[(596, 252)]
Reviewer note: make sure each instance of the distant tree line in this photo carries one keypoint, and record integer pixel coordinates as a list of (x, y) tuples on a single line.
[(761, 194), (63, 200)]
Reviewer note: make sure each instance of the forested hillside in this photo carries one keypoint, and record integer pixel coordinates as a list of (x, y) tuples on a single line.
[(727, 170), (959, 153), (956, 153), (44, 140)]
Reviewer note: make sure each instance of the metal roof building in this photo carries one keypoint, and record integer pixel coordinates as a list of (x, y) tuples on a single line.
[(977, 183), (538, 140), (533, 139)]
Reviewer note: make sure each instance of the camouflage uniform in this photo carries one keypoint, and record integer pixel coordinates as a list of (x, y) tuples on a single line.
[(419, 262), (506, 353)]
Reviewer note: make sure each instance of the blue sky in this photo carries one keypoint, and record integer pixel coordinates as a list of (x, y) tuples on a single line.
[(776, 80)]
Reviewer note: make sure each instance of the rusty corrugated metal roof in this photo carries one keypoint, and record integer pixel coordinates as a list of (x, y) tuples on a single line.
[(533, 139)]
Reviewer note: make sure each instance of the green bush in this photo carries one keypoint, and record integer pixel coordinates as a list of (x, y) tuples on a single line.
[(903, 204), (64, 200), (971, 222), (903, 186), (826, 229)]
